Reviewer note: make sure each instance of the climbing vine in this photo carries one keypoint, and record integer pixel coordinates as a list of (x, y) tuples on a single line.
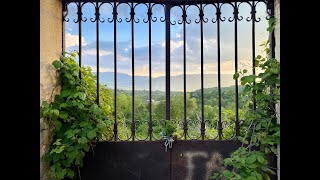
[(76, 120), (260, 132)]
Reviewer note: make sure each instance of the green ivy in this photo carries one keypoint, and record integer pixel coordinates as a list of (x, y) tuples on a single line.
[(75, 118), (169, 127), (260, 132)]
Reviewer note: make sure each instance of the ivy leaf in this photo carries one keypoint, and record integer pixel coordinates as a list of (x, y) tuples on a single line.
[(63, 115), (84, 123), (227, 173), (245, 71), (260, 159), (63, 105), (251, 159), (251, 78), (80, 105), (61, 148), (65, 93), (70, 173), (91, 134), (101, 126), (82, 96), (57, 64), (257, 63), (236, 76), (258, 127), (259, 95), (82, 140), (72, 155), (57, 142), (69, 133), (273, 149), (44, 104), (55, 112), (61, 174), (251, 178)]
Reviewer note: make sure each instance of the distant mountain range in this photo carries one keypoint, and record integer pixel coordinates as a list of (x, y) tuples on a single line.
[(124, 81)]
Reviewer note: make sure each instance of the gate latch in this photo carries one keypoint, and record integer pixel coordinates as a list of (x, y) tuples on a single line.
[(168, 141)]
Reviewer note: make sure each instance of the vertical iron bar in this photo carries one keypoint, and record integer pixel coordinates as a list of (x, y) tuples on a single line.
[(167, 18), (80, 34), (219, 77), (236, 66), (150, 78), (115, 130), (98, 62), (185, 127), (202, 100), (133, 127), (253, 15)]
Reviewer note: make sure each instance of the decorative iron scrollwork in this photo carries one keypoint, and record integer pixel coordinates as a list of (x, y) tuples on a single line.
[(184, 8), (79, 13), (97, 13)]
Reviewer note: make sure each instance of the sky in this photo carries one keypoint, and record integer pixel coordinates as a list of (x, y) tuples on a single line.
[(193, 55)]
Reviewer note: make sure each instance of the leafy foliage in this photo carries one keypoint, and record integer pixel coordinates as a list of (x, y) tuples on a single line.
[(169, 128), (75, 118), (259, 129)]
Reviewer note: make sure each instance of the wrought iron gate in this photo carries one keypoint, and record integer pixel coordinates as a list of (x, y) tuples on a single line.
[(146, 158)]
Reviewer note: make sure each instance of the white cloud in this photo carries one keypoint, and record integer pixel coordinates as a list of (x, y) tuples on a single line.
[(209, 43), (122, 58), (173, 44), (142, 70), (178, 35), (73, 40), (93, 52), (156, 71), (163, 44)]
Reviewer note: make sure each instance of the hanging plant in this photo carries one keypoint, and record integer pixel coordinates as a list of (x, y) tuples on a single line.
[(260, 132), (75, 118)]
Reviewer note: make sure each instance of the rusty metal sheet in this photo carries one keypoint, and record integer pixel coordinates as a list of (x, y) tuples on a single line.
[(186, 160), (127, 161)]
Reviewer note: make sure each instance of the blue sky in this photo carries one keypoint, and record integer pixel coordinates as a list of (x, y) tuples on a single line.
[(158, 36)]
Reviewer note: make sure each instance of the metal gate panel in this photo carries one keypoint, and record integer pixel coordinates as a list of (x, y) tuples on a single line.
[(127, 161)]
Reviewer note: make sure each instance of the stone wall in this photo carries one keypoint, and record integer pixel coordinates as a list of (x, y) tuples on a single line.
[(50, 50)]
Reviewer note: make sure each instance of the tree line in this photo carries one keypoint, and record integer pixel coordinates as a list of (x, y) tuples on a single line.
[(158, 111)]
